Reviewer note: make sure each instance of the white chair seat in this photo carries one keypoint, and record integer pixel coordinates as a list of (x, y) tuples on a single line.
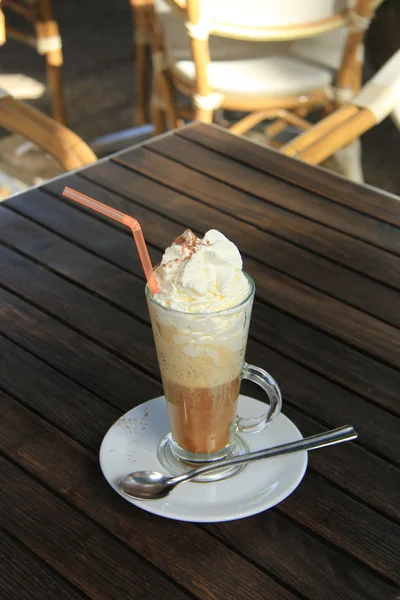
[(260, 15), (255, 69)]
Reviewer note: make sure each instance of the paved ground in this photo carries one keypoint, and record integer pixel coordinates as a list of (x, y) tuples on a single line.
[(98, 76)]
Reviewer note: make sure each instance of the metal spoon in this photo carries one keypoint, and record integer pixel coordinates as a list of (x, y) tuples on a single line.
[(150, 485)]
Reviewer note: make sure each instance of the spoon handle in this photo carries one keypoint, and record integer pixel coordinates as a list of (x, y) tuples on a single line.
[(328, 438)]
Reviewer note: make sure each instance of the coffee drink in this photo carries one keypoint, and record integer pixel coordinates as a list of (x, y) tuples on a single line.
[(200, 354), (200, 319)]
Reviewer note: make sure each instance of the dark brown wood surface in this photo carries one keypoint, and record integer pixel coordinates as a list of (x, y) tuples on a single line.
[(75, 334)]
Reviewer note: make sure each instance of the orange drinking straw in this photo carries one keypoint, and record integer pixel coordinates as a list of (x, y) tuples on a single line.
[(125, 220)]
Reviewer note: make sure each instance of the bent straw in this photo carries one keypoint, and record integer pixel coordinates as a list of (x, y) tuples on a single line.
[(130, 222)]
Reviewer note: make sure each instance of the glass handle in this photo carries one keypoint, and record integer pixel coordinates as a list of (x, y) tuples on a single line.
[(270, 387)]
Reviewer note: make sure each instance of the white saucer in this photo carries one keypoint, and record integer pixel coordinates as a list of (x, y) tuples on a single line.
[(131, 445)]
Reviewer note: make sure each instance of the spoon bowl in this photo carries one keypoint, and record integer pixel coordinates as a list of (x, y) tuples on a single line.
[(151, 485)]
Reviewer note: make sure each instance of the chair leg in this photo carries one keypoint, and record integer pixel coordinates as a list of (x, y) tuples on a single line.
[(141, 84), (140, 47), (163, 98), (49, 44), (158, 120), (348, 161), (54, 77), (158, 116), (169, 99), (203, 115)]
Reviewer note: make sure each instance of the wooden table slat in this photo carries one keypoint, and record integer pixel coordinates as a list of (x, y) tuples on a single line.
[(366, 199), (76, 411), (99, 370), (23, 573), (73, 545), (96, 318), (337, 362), (318, 575)]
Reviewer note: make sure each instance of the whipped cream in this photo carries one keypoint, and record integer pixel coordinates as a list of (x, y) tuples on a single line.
[(201, 275)]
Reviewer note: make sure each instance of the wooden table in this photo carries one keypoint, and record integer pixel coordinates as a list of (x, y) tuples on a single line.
[(77, 351)]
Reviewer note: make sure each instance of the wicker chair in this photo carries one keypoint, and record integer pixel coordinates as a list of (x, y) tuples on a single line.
[(273, 60), (44, 36), (66, 147), (379, 98)]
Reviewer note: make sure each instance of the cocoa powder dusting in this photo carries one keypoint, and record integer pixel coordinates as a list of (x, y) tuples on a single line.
[(188, 241), (180, 241)]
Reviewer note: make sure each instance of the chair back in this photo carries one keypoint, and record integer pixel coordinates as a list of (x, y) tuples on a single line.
[(274, 20), (269, 20)]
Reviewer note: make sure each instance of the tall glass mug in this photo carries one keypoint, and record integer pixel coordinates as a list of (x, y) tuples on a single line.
[(202, 362)]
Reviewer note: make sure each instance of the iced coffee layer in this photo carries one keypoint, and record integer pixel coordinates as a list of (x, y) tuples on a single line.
[(201, 418), (210, 368)]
